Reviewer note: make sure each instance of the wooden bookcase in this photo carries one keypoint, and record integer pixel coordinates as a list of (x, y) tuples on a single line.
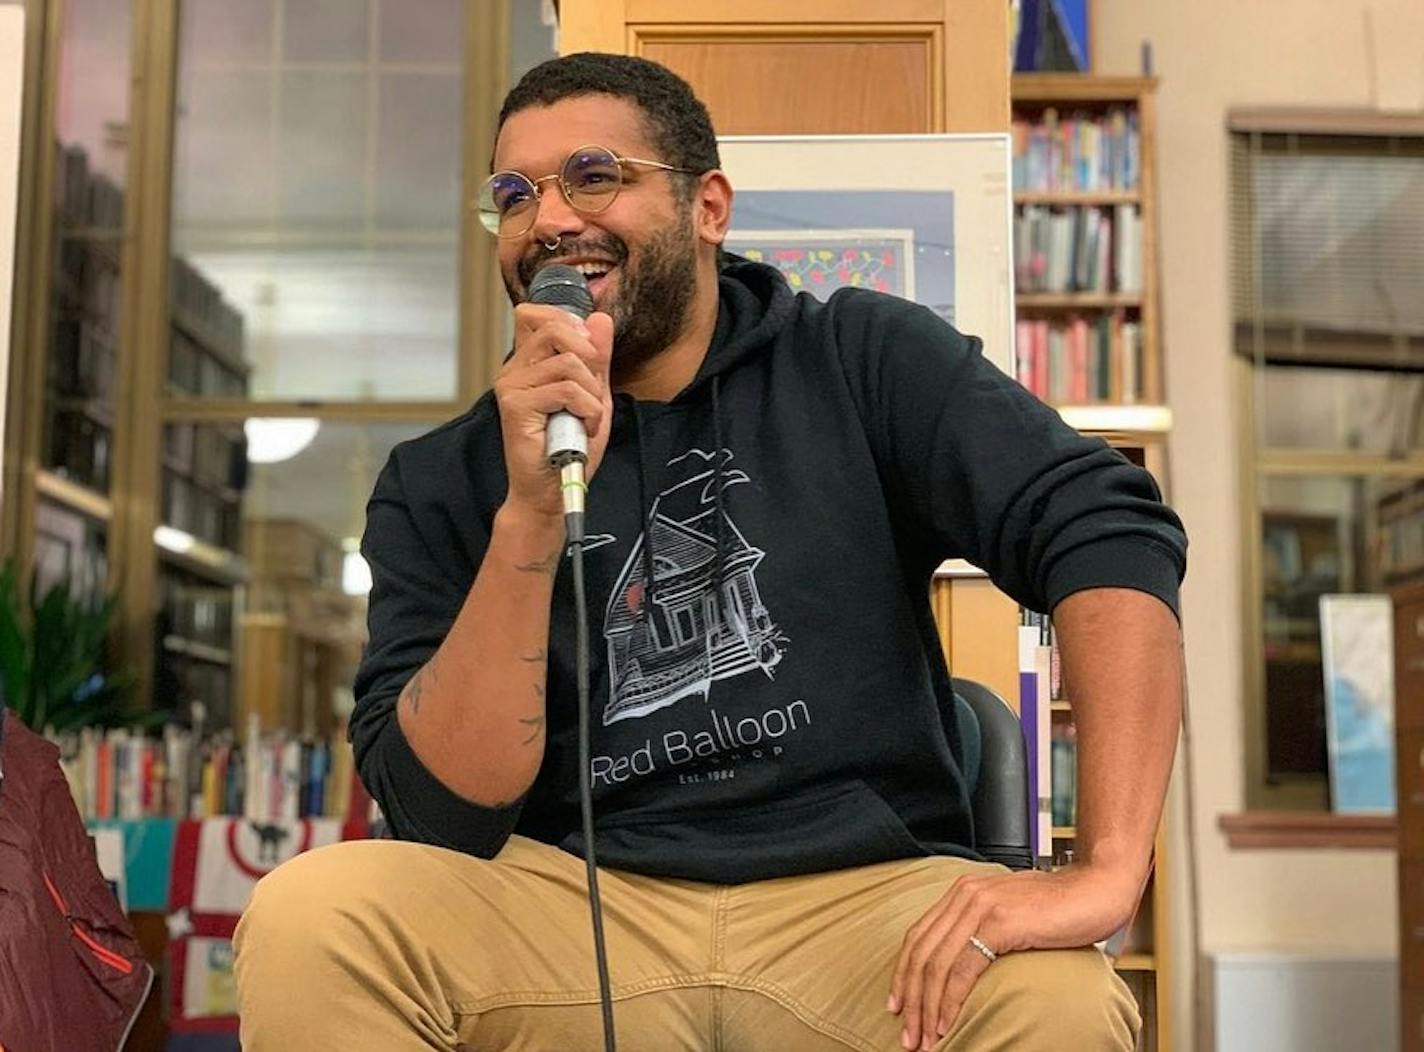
[(203, 469), (1401, 524), (300, 634), (1086, 268), (977, 622), (1409, 785), (203, 475), (978, 630)]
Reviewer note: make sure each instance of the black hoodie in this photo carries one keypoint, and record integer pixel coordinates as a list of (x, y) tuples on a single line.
[(765, 667)]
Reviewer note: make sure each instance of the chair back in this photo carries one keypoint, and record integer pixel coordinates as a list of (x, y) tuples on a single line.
[(996, 769)]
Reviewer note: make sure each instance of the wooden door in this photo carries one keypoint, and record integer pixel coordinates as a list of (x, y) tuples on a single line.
[(818, 66)]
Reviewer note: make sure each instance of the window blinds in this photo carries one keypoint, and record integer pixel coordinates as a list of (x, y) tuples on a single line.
[(1327, 237)]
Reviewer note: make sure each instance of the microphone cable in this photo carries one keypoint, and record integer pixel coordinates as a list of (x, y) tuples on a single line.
[(574, 521), (566, 445)]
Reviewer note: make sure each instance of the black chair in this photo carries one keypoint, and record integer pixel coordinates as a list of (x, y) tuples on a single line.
[(996, 770)]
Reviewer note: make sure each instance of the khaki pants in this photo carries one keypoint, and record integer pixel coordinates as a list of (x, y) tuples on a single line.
[(382, 945)]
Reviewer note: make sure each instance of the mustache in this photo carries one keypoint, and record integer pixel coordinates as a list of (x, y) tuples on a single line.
[(610, 248)]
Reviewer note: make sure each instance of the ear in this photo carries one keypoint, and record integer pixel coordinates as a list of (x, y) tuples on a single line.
[(712, 213)]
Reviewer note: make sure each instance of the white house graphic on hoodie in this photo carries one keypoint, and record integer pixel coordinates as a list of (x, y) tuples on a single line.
[(693, 633)]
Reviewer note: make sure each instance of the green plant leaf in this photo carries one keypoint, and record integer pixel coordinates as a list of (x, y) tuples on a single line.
[(14, 647), (53, 658)]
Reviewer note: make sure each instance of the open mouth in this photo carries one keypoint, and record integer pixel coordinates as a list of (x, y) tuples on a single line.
[(597, 275)]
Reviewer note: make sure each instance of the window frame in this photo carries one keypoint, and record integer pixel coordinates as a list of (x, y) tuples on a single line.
[(1298, 794), (133, 513)]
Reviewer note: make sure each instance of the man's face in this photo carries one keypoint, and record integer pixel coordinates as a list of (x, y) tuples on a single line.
[(645, 237)]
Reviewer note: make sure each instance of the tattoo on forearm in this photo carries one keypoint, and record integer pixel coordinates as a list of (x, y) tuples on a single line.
[(416, 687), (536, 728), (547, 565), (537, 656)]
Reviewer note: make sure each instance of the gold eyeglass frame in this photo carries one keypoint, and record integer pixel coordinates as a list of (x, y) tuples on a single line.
[(537, 184)]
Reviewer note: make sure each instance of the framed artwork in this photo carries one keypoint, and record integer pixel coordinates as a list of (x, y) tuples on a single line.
[(821, 261), (925, 217), (1357, 650), (1051, 36)]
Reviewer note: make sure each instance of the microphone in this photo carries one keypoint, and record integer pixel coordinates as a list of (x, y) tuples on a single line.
[(565, 437)]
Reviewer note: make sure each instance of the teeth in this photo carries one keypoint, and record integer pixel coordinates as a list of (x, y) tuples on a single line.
[(590, 270)]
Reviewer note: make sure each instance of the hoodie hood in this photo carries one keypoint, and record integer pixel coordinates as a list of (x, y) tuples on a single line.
[(754, 305)]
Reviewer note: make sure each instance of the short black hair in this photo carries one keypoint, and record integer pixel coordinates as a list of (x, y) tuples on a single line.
[(677, 121)]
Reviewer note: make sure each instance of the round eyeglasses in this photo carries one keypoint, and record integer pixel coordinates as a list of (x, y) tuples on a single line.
[(589, 179)]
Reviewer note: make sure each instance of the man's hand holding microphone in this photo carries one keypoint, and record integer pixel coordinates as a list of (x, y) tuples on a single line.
[(560, 363)]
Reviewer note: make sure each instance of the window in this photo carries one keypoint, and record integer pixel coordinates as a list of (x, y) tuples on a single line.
[(1328, 310), (316, 200), (684, 624), (220, 379)]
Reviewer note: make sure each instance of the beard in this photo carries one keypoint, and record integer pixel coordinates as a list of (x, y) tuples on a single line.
[(654, 295)]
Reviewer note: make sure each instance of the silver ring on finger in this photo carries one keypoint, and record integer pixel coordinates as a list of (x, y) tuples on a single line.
[(978, 944)]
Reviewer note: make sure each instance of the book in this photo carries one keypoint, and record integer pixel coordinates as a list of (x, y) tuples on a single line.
[(1035, 676), (123, 775)]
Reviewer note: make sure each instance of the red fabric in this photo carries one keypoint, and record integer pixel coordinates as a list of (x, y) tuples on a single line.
[(72, 974)]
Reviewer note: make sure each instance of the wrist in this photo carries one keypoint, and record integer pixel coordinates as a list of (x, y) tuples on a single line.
[(1120, 883), (530, 522)]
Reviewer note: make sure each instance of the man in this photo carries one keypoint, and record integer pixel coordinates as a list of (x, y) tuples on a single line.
[(785, 829)]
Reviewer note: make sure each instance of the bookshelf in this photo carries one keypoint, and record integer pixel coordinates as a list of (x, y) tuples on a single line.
[(1103, 304), (72, 509), (979, 627), (204, 473), (301, 634), (1087, 332), (203, 469), (1408, 600), (1400, 510), (81, 368)]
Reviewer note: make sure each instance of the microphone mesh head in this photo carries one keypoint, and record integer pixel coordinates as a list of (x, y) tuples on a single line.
[(560, 285)]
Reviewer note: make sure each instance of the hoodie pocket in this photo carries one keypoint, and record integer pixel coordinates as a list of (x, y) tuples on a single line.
[(96, 950)]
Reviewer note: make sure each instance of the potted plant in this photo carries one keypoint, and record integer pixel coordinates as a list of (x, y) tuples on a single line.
[(54, 671)]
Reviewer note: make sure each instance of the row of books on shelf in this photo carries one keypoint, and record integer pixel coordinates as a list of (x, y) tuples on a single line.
[(1075, 361), (87, 282), (1078, 249), (212, 514), (78, 447), (83, 197), (267, 778), (1040, 684), (1052, 744), (1052, 752), (82, 360), (202, 613), (194, 370), (200, 302), (1077, 151), (1063, 759), (1401, 532)]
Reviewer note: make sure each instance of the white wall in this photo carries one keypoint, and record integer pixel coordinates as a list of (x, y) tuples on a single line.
[(12, 65), (1212, 55), (1269, 1002)]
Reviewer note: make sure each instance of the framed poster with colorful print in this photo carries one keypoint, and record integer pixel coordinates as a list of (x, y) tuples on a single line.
[(925, 217), (821, 261)]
